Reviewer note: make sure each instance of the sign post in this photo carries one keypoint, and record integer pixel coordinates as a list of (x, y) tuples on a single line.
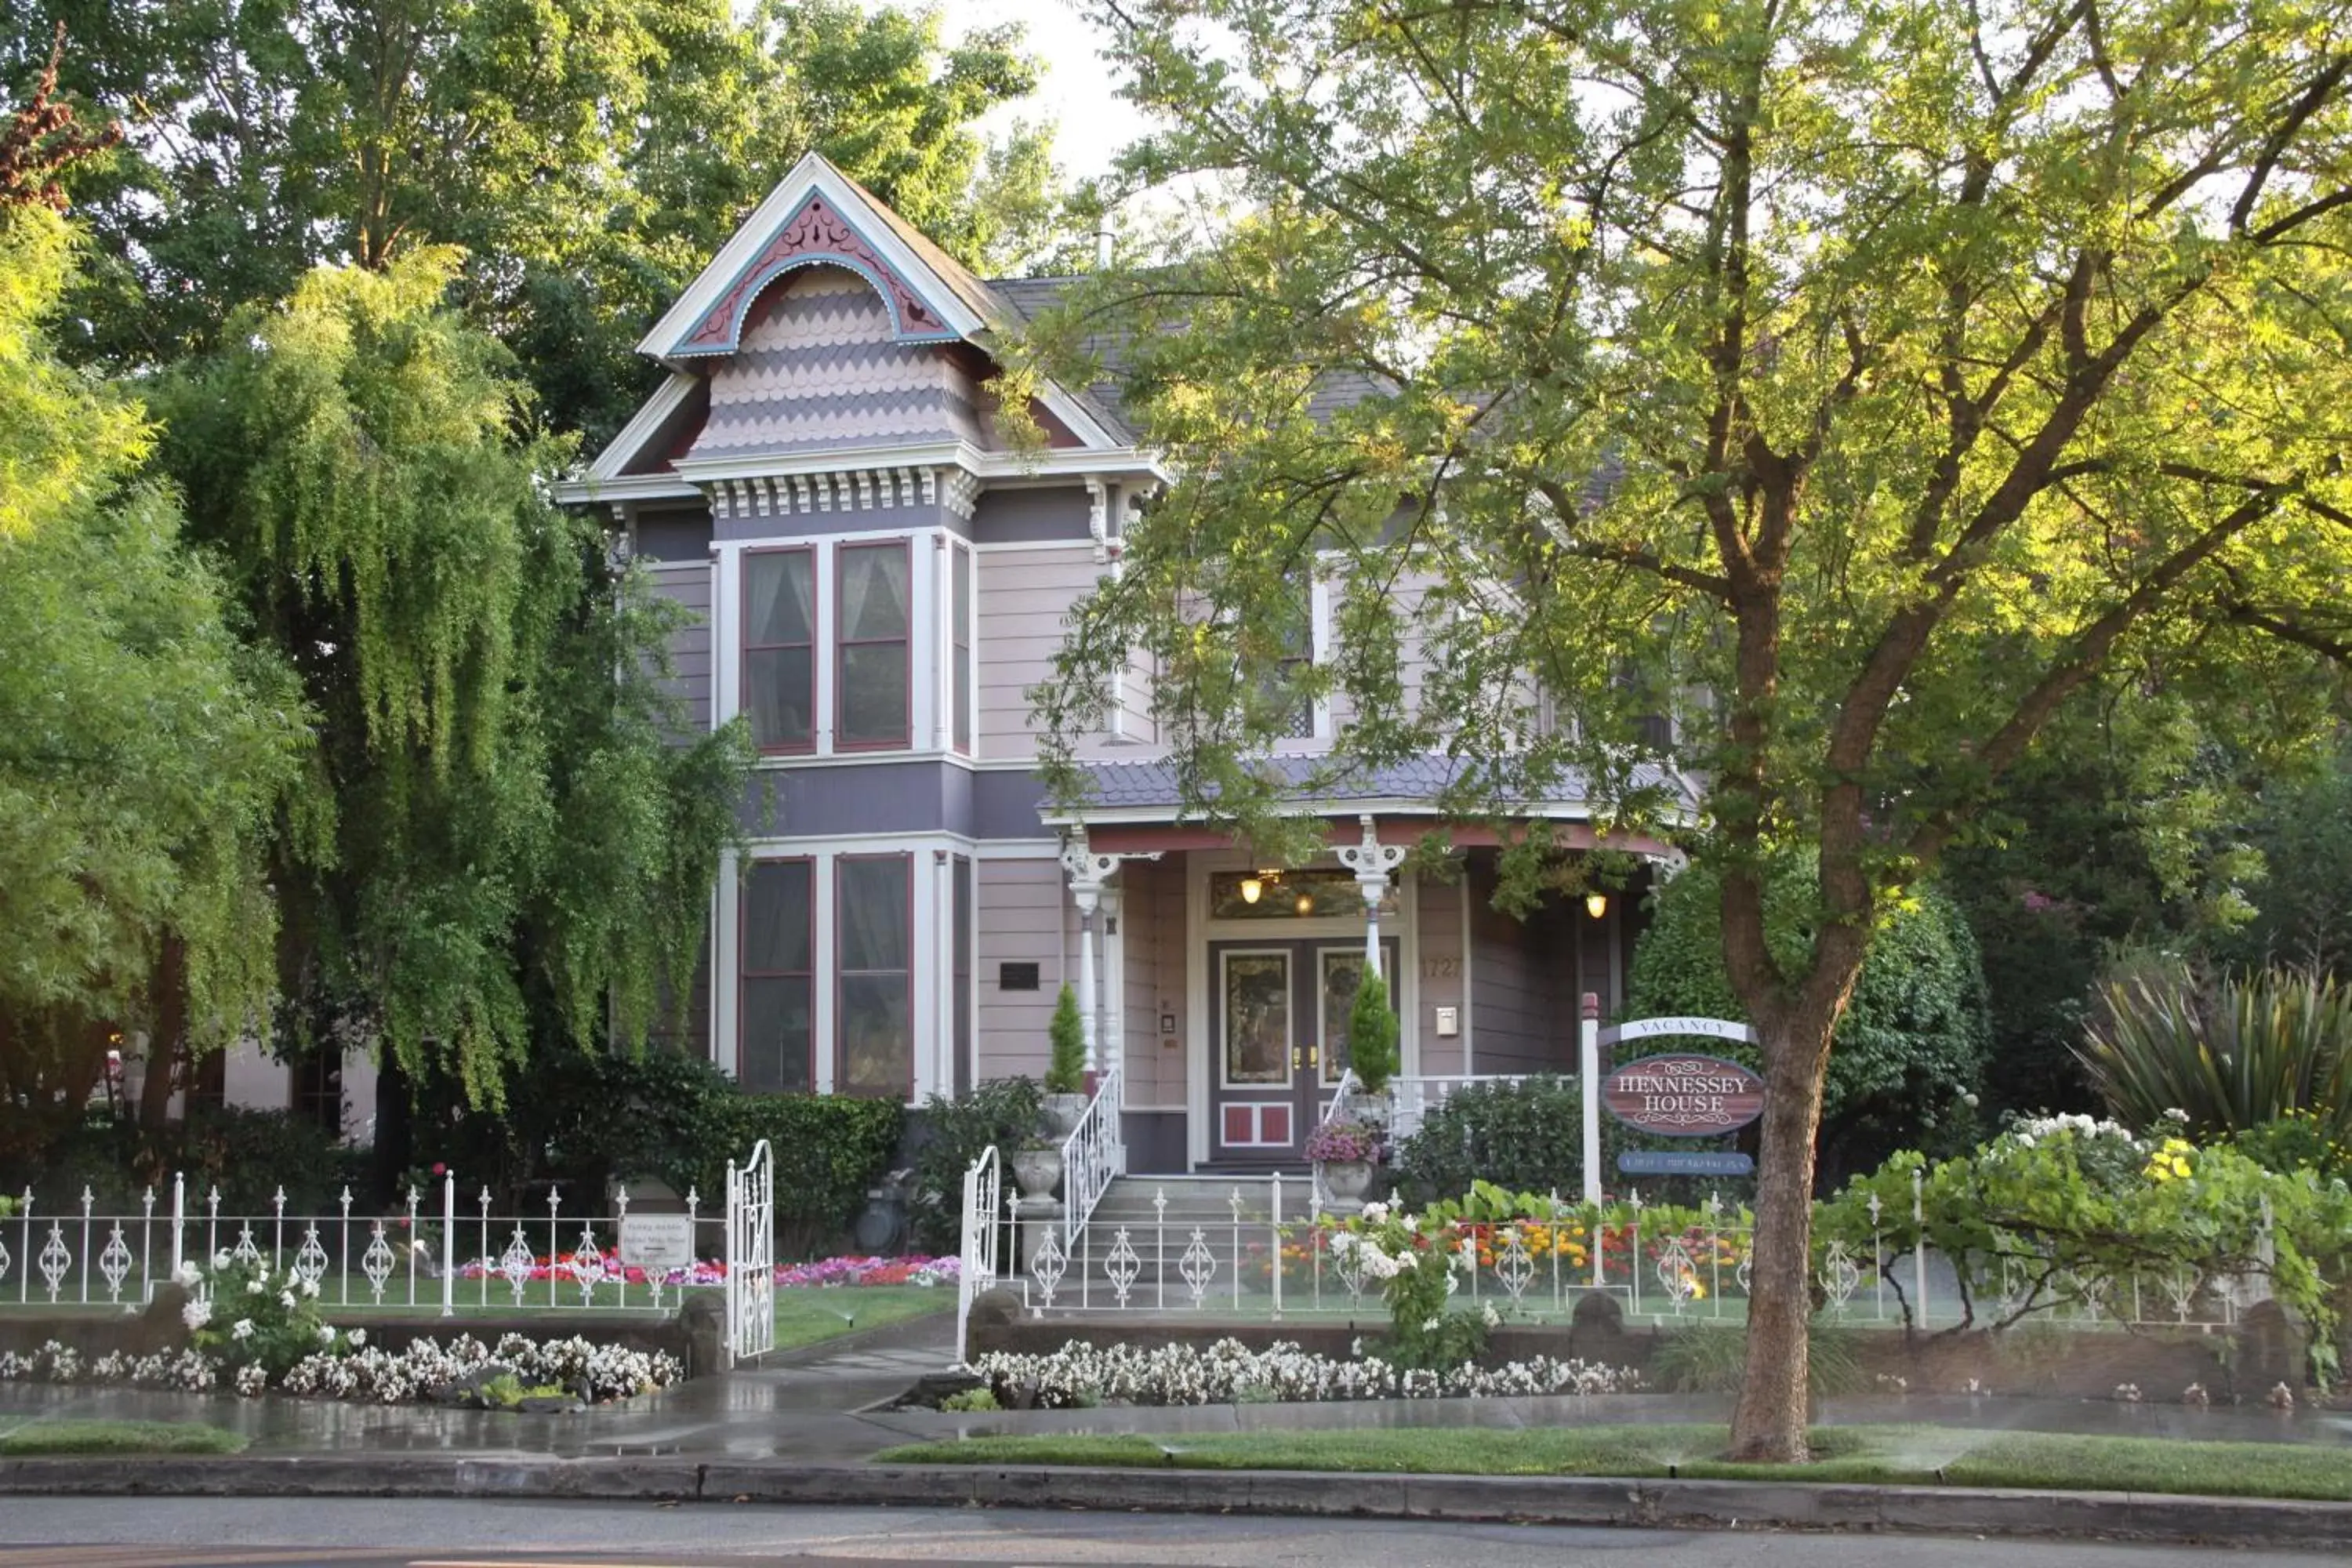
[(1589, 1063)]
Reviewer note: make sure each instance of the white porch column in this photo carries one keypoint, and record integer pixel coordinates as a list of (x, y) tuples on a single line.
[(1087, 872), (1371, 861)]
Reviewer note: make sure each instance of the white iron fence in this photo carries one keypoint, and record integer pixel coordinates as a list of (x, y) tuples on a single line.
[(1239, 1256), (752, 1255), (435, 1252)]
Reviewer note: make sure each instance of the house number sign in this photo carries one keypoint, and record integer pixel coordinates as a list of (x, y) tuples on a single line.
[(1684, 1096)]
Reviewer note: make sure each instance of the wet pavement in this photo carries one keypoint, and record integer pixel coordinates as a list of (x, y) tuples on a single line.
[(826, 1404)]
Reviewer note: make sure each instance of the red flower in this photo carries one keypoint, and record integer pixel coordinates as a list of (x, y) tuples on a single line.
[(439, 1169)]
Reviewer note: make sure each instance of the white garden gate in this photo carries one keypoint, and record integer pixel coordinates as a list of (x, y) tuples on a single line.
[(752, 1255)]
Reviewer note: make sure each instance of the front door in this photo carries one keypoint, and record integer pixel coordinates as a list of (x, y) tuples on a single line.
[(1279, 1029)]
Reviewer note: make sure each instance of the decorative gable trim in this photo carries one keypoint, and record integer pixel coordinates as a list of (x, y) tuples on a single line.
[(815, 215), (815, 236), (843, 489)]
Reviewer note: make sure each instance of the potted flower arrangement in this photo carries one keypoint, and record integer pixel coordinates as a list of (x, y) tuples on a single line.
[(1065, 1069), (1345, 1152)]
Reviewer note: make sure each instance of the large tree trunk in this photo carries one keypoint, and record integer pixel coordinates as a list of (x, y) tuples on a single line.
[(1768, 1425), (167, 1033)]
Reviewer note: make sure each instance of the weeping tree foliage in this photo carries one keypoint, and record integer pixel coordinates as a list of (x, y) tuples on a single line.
[(1857, 381), (502, 821), (143, 745), (2232, 1053)]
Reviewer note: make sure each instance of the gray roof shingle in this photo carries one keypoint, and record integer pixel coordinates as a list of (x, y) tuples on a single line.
[(1145, 784)]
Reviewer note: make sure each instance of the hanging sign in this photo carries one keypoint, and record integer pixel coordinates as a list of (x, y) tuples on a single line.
[(1684, 1096), (657, 1241)]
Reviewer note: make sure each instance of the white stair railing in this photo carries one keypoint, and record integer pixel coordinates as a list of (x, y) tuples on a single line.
[(1092, 1155)]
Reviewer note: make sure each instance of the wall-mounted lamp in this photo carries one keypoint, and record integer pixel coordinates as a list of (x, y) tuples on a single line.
[(1596, 904), (1252, 889), (1305, 903)]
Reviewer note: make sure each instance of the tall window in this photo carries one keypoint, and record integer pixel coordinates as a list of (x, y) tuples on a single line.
[(871, 691), (780, 648), (960, 609), (874, 1005), (963, 975), (777, 1052)]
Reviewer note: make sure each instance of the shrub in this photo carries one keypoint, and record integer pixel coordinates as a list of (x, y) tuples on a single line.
[(1002, 1112), (1909, 1053), (246, 1315), (1065, 1072), (1372, 1033), (830, 1152), (1526, 1136), (1415, 1270), (248, 1154), (2235, 1053)]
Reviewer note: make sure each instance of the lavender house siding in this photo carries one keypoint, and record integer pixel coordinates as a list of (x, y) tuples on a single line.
[(687, 584), (1152, 930), (1520, 973), (1024, 596), (1022, 908), (1439, 925), (674, 536)]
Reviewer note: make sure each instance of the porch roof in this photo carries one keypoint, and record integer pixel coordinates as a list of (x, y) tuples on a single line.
[(1148, 790)]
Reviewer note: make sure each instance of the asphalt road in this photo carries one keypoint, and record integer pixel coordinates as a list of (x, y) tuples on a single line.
[(142, 1533)]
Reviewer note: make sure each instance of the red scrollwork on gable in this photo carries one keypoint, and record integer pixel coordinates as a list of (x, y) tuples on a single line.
[(814, 233)]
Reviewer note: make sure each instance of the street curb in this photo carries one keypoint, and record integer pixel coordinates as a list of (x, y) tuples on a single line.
[(1544, 1499)]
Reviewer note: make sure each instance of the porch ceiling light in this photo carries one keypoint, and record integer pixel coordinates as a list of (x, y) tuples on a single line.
[(1596, 904), (1252, 889), (1305, 903)]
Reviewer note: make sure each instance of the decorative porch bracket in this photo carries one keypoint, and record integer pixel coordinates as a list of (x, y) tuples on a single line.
[(1371, 861)]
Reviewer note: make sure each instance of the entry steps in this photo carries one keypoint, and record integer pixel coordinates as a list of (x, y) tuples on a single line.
[(1201, 1221)]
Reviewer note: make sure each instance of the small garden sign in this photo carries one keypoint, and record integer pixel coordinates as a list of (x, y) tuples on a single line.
[(1679, 1095)]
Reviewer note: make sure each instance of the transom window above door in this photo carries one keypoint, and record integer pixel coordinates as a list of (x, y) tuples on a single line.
[(1316, 892)]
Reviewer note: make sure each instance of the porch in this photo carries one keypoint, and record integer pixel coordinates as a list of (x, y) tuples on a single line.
[(1220, 988)]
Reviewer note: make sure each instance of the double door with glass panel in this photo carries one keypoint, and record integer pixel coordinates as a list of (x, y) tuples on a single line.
[(1279, 1028)]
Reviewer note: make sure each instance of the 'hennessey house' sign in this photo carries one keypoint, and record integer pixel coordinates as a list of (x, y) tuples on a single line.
[(1684, 1096)]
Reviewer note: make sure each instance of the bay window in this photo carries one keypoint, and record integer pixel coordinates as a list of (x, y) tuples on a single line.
[(874, 1003), (871, 688), (776, 1045), (780, 648)]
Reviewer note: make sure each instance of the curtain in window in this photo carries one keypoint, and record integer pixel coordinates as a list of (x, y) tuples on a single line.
[(873, 948), (775, 1053), (778, 648), (875, 620)]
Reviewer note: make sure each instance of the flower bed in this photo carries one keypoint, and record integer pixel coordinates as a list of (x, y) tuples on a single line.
[(1228, 1372), (366, 1373), (567, 1269)]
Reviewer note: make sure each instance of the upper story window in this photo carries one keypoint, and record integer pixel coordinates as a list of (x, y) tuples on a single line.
[(872, 690), (780, 648)]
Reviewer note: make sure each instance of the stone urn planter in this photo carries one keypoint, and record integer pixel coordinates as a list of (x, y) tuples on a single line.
[(1038, 1172), (1346, 1182), (1062, 1112)]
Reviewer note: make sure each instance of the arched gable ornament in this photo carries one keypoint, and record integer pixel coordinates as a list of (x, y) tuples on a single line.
[(815, 235)]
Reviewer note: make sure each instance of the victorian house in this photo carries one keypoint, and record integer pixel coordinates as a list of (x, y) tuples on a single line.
[(875, 581)]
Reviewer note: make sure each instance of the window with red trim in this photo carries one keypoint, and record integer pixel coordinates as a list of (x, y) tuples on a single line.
[(776, 1033), (874, 1002), (875, 617), (780, 648)]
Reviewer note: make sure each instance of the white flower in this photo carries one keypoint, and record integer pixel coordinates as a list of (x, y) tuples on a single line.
[(1494, 1319), (285, 1300), (188, 1274), (197, 1313), (220, 1260), (242, 1330), (358, 1338), (2176, 1115), (1375, 1212), (326, 1333), (310, 1288), (1430, 1327)]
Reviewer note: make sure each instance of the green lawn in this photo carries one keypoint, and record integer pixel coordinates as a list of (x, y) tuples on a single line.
[(1915, 1454), (117, 1437), (808, 1314)]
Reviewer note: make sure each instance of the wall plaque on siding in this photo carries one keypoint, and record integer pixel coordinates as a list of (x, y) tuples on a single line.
[(1682, 1096), (1016, 978)]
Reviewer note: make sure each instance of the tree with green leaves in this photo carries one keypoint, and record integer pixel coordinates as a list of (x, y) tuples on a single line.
[(1857, 383), (504, 837), (589, 155), (144, 746)]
